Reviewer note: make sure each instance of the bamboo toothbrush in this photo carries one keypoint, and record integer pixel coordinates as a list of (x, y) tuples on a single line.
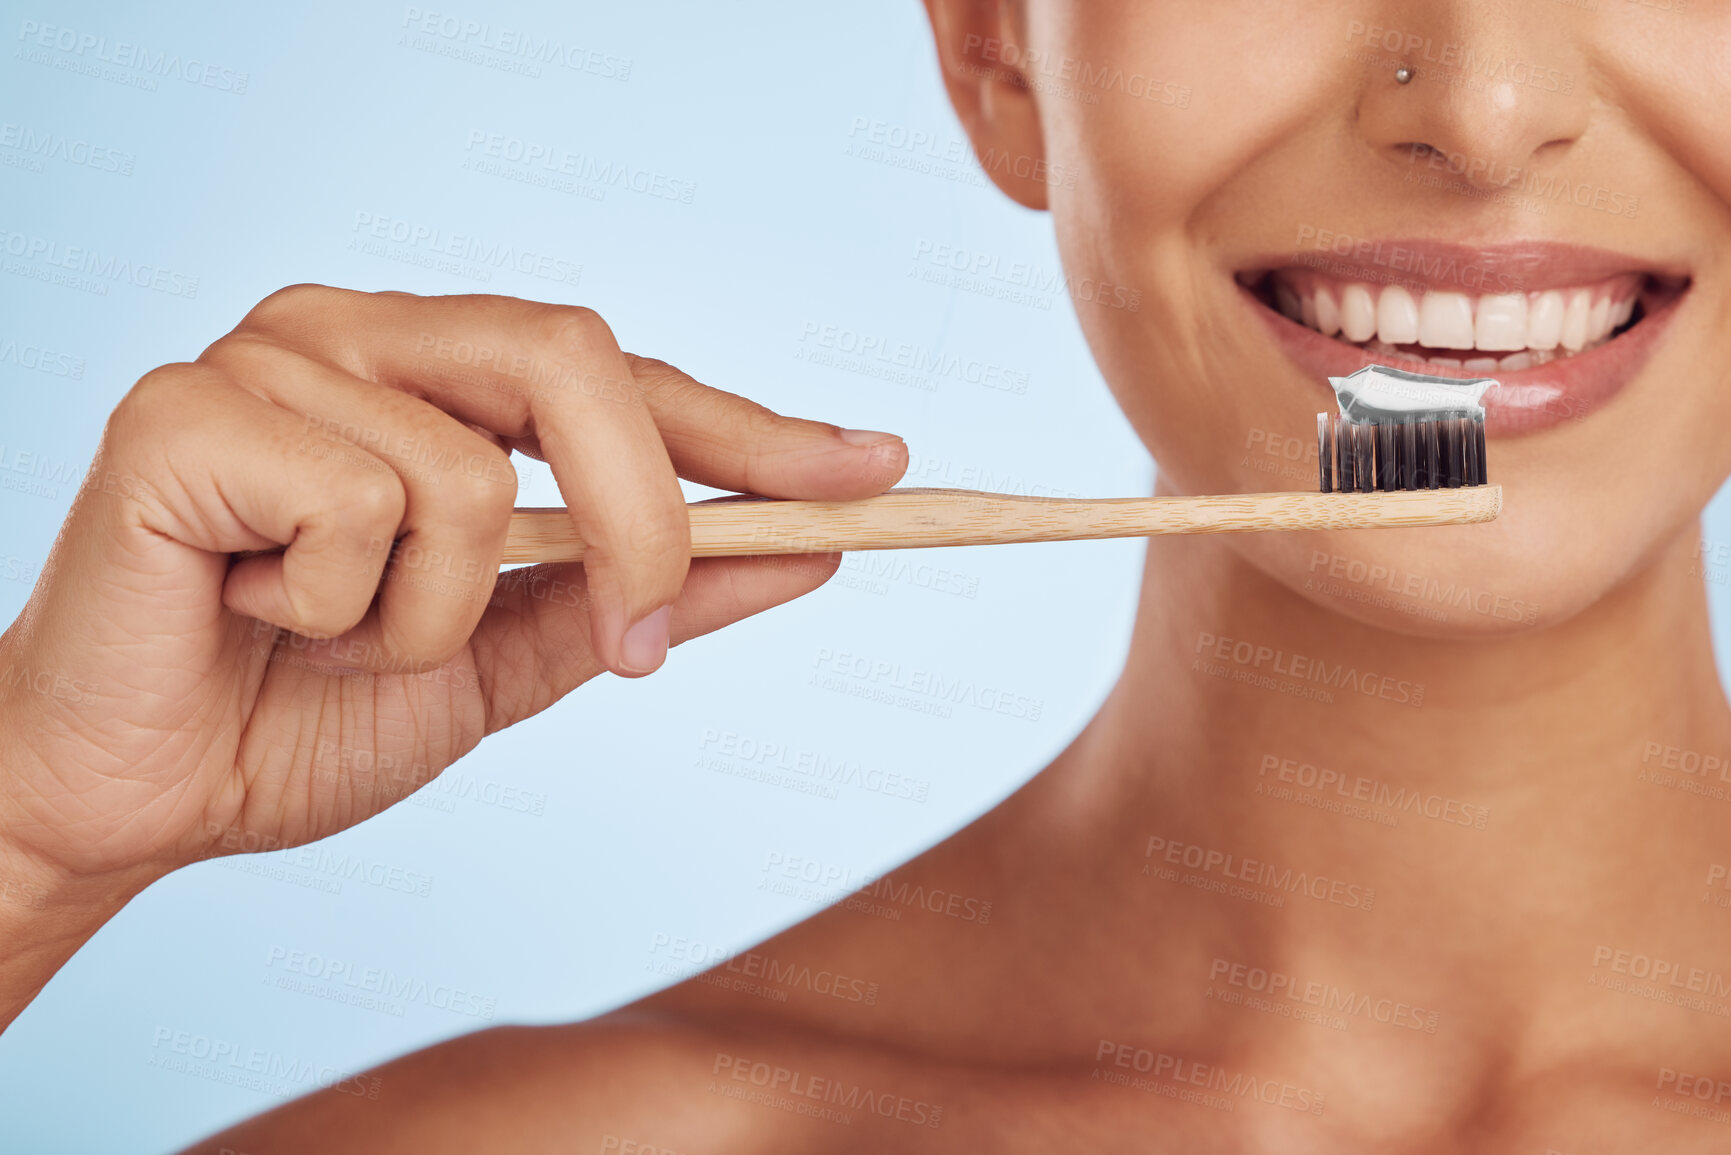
[(1379, 466)]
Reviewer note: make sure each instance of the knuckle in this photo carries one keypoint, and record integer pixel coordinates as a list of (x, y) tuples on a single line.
[(161, 399), (244, 355), (371, 499), (483, 484), (163, 385), (291, 305), (760, 422), (572, 332), (320, 610)]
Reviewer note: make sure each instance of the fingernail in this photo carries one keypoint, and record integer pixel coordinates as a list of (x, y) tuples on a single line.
[(864, 437), (644, 646)]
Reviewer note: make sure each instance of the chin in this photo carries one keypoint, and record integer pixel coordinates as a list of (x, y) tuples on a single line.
[(1439, 582)]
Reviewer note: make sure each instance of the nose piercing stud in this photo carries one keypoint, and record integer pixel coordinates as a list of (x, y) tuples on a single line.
[(1403, 75)]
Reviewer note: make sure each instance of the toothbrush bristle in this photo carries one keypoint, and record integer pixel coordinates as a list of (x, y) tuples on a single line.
[(1427, 453)]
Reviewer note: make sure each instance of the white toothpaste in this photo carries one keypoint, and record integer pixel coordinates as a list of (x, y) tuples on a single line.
[(1377, 393)]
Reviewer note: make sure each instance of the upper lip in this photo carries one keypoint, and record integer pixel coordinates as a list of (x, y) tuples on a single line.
[(1522, 266)]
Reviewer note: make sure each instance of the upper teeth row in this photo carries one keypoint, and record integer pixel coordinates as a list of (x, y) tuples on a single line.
[(1494, 323)]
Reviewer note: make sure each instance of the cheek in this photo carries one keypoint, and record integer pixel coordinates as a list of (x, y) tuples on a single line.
[(1156, 106)]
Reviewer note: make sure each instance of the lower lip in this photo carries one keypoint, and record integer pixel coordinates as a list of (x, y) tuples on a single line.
[(1527, 401)]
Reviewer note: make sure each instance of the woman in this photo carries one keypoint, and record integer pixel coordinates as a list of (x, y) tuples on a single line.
[(1383, 841)]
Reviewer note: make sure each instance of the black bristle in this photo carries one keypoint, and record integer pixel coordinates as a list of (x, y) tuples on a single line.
[(1343, 457), (1411, 454), (1454, 458), (1324, 453)]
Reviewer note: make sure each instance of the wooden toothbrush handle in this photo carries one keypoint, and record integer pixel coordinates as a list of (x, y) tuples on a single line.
[(914, 518)]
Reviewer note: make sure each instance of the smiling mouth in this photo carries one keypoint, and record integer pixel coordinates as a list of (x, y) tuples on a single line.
[(1446, 331)]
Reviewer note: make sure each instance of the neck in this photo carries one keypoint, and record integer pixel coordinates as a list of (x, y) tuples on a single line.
[(1252, 722)]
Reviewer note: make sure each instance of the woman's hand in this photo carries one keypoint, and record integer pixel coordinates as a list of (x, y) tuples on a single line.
[(161, 700)]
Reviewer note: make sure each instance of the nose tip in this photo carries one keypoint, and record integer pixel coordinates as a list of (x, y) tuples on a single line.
[(1483, 108)]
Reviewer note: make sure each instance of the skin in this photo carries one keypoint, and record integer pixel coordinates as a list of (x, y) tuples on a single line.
[(1016, 1026)]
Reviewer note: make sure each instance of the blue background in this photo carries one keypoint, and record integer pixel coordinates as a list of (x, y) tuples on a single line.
[(554, 856)]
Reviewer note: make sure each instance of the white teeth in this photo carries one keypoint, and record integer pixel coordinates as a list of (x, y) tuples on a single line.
[(1599, 320), (1532, 328), (1501, 325), (1357, 313), (1575, 319), (1545, 320), (1445, 321), (1396, 316), (1327, 313)]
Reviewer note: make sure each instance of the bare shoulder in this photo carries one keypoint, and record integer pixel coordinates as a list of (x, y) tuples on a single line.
[(634, 1082), (858, 1029), (814, 1039)]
